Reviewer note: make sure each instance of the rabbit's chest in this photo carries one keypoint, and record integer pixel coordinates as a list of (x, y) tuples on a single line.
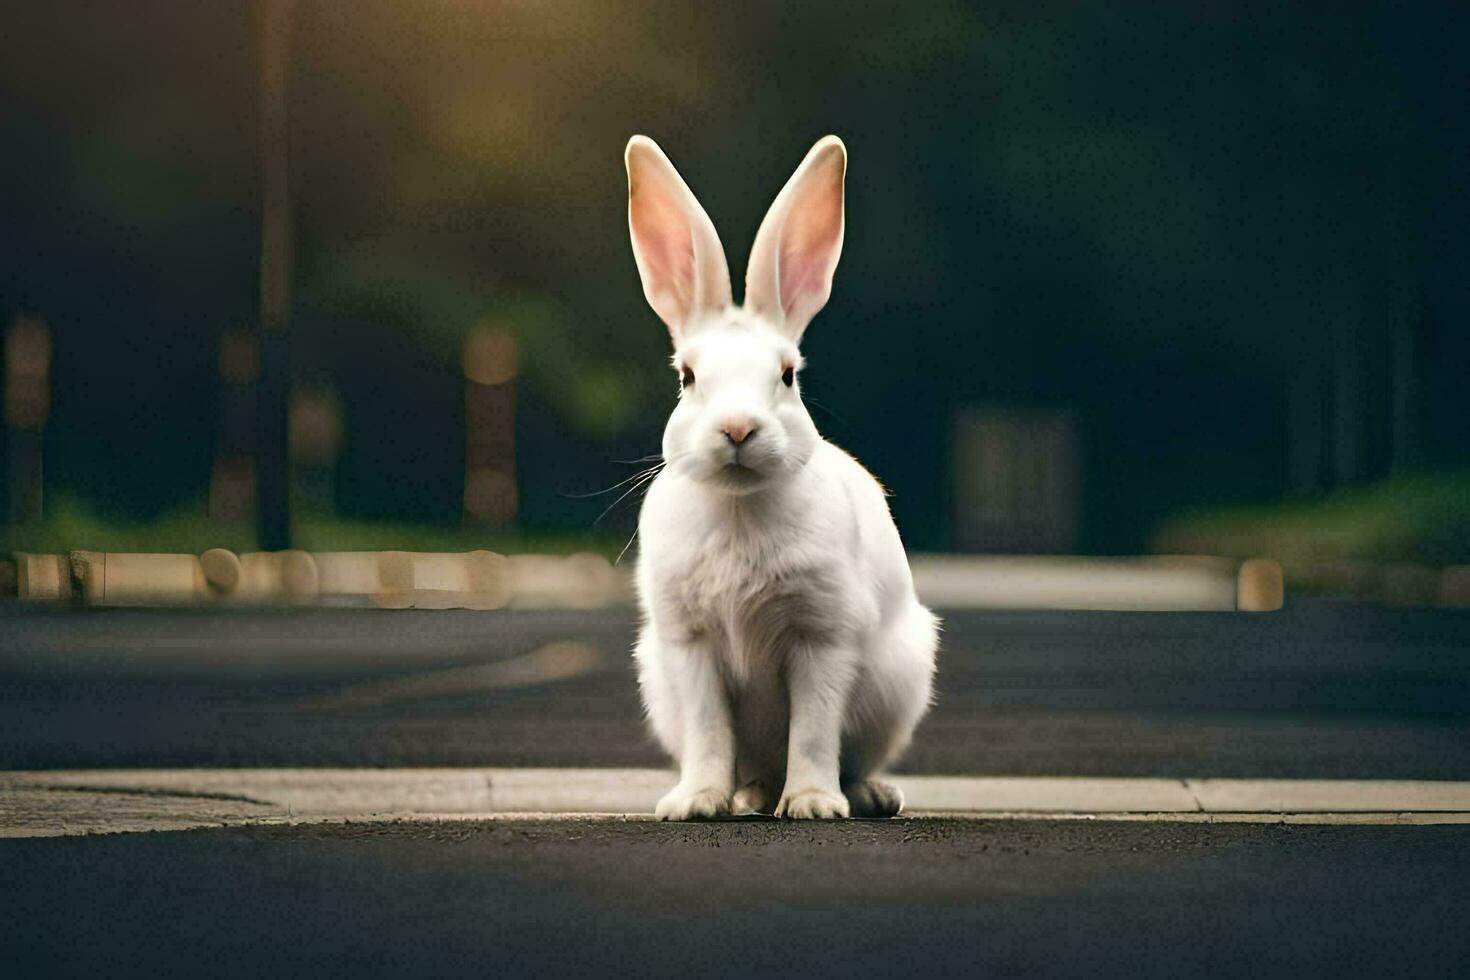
[(757, 600)]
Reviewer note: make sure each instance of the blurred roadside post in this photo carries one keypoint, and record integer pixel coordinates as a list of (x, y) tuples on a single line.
[(273, 463), (27, 404), (232, 482), (490, 367), (1016, 480), (316, 440)]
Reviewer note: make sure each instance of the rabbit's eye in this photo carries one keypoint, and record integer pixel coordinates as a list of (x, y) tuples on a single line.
[(686, 379), (788, 376)]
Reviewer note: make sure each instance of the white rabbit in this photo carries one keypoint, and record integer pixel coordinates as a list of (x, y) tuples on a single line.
[(783, 649)]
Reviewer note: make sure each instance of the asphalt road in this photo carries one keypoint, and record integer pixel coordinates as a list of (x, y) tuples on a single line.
[(901, 898), (1320, 690)]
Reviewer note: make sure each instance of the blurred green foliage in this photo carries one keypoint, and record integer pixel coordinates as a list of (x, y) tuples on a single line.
[(1422, 517)]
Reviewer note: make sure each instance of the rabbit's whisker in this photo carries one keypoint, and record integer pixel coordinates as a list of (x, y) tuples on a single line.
[(808, 399), (646, 478), (631, 539), (598, 493)]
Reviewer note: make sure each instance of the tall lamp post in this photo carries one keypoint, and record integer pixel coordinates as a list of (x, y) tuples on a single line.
[(273, 468)]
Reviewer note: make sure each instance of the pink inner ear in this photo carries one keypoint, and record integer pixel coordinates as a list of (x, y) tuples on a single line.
[(665, 248), (801, 275), (809, 244)]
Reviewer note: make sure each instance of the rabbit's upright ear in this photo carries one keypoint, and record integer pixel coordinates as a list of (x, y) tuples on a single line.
[(679, 255), (799, 242)]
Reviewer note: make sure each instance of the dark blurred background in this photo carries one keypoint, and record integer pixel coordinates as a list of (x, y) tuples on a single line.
[(1116, 278)]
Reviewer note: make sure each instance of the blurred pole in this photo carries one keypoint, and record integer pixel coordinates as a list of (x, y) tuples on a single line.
[(232, 484), (27, 404), (490, 367), (273, 465), (316, 441), (1017, 479)]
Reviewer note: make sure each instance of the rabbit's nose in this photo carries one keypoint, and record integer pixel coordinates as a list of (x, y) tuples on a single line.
[(738, 431)]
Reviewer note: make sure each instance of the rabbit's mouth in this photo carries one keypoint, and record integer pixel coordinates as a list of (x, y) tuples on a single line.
[(738, 478), (739, 471)]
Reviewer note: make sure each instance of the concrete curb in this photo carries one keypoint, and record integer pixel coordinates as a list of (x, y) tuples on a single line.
[(484, 580), (382, 579), (54, 803), (1179, 583), (478, 580)]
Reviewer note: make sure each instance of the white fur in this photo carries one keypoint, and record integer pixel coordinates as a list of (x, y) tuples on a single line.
[(784, 658)]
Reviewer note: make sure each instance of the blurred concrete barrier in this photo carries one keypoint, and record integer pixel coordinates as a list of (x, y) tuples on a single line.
[(117, 579), (382, 579), (222, 570), (42, 577), (1454, 586), (407, 580), (134, 579), (468, 580), (1259, 586), (345, 575), (580, 581), (1056, 582), (487, 580), (277, 576), (1392, 583)]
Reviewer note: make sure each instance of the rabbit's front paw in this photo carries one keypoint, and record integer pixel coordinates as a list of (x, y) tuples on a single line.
[(812, 804), (700, 804)]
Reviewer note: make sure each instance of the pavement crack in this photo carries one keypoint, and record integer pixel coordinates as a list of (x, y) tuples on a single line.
[(1193, 797)]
